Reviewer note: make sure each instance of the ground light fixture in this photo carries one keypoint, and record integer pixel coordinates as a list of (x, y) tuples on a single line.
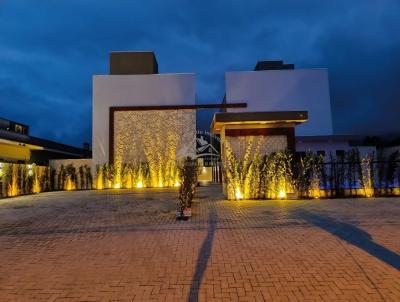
[(238, 194), (30, 171)]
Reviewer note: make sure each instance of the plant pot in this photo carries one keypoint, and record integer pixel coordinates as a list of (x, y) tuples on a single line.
[(187, 212)]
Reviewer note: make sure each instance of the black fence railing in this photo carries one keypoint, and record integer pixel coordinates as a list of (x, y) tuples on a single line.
[(344, 178), (311, 176)]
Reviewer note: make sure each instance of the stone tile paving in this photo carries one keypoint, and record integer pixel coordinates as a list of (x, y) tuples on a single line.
[(126, 246)]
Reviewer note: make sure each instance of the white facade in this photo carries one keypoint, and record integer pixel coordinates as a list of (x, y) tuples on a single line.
[(134, 90), (284, 90)]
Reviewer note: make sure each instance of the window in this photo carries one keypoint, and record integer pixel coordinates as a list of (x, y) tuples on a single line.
[(20, 129)]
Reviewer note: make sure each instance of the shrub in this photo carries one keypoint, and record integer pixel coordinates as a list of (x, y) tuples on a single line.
[(188, 174)]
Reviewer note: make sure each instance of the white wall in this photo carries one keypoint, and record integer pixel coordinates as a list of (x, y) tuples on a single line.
[(56, 163), (134, 90), (285, 90), (330, 147)]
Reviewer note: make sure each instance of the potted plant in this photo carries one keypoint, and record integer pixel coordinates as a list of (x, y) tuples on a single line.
[(188, 173)]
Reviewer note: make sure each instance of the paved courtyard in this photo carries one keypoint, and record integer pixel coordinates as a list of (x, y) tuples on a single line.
[(126, 246)]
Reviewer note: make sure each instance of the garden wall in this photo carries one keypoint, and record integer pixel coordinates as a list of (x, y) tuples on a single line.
[(72, 174)]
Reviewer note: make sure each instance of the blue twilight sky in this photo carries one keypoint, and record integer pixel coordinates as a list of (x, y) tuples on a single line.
[(49, 51)]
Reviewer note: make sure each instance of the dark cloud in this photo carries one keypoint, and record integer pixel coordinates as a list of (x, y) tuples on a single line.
[(49, 51)]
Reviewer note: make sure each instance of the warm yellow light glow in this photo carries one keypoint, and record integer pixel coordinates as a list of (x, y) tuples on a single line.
[(369, 192), (117, 186), (282, 194), (315, 193), (13, 187), (160, 184), (99, 180), (177, 184), (139, 185), (36, 185), (204, 170), (30, 171), (238, 194), (70, 185)]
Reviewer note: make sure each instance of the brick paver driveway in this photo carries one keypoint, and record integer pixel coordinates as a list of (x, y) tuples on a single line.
[(126, 246)]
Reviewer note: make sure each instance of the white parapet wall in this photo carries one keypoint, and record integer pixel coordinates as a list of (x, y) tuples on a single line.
[(76, 163), (134, 90), (56, 163), (284, 90)]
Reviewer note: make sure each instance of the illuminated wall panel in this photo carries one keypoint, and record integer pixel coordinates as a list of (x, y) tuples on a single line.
[(157, 137)]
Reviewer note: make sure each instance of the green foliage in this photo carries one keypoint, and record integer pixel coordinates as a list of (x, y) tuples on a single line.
[(88, 177), (81, 178), (19, 179), (188, 173)]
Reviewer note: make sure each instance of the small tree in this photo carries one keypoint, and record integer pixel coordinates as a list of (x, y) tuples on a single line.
[(367, 175), (188, 174), (304, 174), (81, 178), (88, 177)]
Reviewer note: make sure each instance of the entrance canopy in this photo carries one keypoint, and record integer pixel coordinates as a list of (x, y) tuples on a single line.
[(257, 120), (277, 124)]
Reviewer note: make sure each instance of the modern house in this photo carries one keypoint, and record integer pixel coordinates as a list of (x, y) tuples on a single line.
[(18, 146), (141, 115)]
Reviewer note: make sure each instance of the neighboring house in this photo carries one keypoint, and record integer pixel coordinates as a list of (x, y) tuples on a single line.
[(17, 146)]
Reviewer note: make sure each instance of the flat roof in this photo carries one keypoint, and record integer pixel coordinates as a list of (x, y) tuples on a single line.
[(259, 117), (177, 107), (43, 144)]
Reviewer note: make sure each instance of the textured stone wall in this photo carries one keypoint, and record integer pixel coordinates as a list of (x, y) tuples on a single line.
[(157, 137), (239, 153), (246, 147)]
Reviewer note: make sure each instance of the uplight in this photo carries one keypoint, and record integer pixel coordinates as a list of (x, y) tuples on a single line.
[(282, 194), (117, 186), (139, 185), (238, 194)]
